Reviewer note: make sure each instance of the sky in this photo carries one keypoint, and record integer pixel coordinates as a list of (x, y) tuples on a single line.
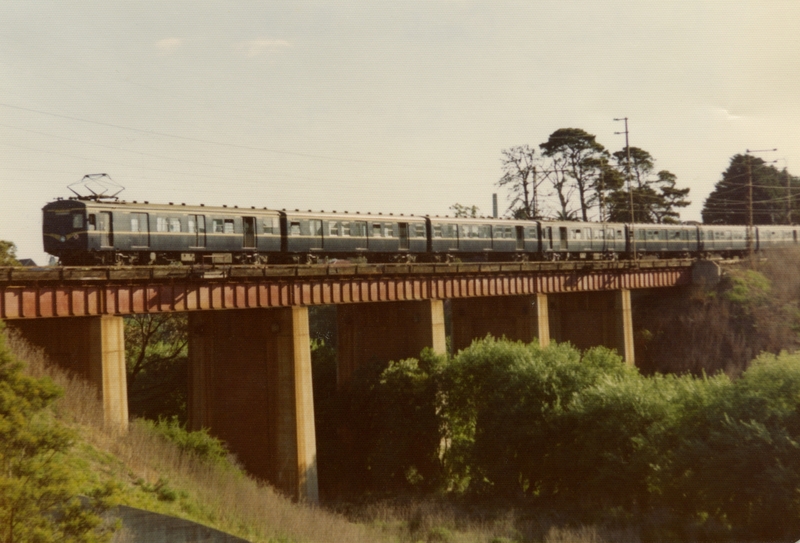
[(376, 106)]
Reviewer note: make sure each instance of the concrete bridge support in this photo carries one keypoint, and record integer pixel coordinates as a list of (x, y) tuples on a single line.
[(91, 347), (589, 319), (250, 385), (372, 332), (519, 318)]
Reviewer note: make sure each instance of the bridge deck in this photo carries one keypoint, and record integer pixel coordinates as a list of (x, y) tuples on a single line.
[(85, 291)]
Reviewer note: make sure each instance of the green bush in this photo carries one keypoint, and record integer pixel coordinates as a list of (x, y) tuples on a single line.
[(198, 443), (736, 464)]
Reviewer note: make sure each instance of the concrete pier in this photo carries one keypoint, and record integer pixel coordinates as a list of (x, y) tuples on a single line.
[(590, 319), (91, 347), (518, 318), (250, 385), (387, 331)]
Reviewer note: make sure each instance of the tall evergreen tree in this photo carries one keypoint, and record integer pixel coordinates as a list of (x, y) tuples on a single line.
[(729, 203)]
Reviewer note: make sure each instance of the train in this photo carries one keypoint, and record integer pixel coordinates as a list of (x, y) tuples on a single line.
[(84, 231)]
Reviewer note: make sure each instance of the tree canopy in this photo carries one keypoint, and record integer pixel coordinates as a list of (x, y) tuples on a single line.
[(8, 253), (574, 176), (773, 203)]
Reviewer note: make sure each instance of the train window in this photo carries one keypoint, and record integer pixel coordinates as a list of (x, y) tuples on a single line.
[(676, 234), (315, 227), (345, 229), (532, 232), (485, 231), (161, 224), (229, 226), (420, 228), (92, 222), (294, 228), (216, 226), (437, 230), (174, 224), (77, 220), (333, 228), (599, 233), (576, 234), (271, 225), (388, 230), (377, 230), (610, 233)]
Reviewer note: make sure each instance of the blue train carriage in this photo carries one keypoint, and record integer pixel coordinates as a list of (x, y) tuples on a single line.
[(86, 232), (775, 236), (569, 240), (318, 236), (664, 240), (726, 241), (482, 239)]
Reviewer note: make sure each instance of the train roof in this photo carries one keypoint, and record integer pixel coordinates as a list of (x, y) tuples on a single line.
[(346, 215), (81, 203)]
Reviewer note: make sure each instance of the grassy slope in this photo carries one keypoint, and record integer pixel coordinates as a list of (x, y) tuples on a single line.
[(155, 475)]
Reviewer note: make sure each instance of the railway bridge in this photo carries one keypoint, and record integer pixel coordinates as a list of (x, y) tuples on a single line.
[(249, 346)]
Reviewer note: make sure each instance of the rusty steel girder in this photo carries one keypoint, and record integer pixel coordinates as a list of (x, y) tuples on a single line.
[(77, 292)]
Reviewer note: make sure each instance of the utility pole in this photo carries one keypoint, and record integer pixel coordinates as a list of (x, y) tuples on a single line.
[(788, 192), (749, 160), (630, 183)]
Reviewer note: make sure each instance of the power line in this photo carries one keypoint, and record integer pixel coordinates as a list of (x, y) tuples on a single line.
[(213, 142)]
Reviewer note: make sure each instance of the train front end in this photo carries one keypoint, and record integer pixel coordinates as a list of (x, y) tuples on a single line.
[(65, 229)]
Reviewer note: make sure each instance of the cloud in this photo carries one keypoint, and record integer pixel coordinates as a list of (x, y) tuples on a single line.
[(254, 48), (168, 45)]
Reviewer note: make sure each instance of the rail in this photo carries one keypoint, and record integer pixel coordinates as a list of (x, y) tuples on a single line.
[(61, 274)]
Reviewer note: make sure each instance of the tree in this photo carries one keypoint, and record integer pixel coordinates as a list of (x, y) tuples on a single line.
[(8, 254), (464, 211), (519, 167), (729, 202), (156, 358), (38, 491), (575, 152), (654, 196)]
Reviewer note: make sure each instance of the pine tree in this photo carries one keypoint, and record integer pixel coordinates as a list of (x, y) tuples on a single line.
[(38, 492)]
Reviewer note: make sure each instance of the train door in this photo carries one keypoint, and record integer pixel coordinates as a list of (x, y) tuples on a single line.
[(315, 234), (403, 235), (547, 238), (358, 230), (249, 232), (105, 228), (197, 228), (563, 244), (140, 230), (520, 235)]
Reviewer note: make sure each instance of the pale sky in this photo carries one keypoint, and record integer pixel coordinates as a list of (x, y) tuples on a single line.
[(397, 107)]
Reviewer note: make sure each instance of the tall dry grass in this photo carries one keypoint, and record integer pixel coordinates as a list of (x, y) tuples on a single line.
[(235, 503)]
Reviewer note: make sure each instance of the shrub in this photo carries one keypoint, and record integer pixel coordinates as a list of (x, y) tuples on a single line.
[(198, 443)]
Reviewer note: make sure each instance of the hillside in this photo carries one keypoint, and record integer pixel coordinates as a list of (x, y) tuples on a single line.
[(150, 472)]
